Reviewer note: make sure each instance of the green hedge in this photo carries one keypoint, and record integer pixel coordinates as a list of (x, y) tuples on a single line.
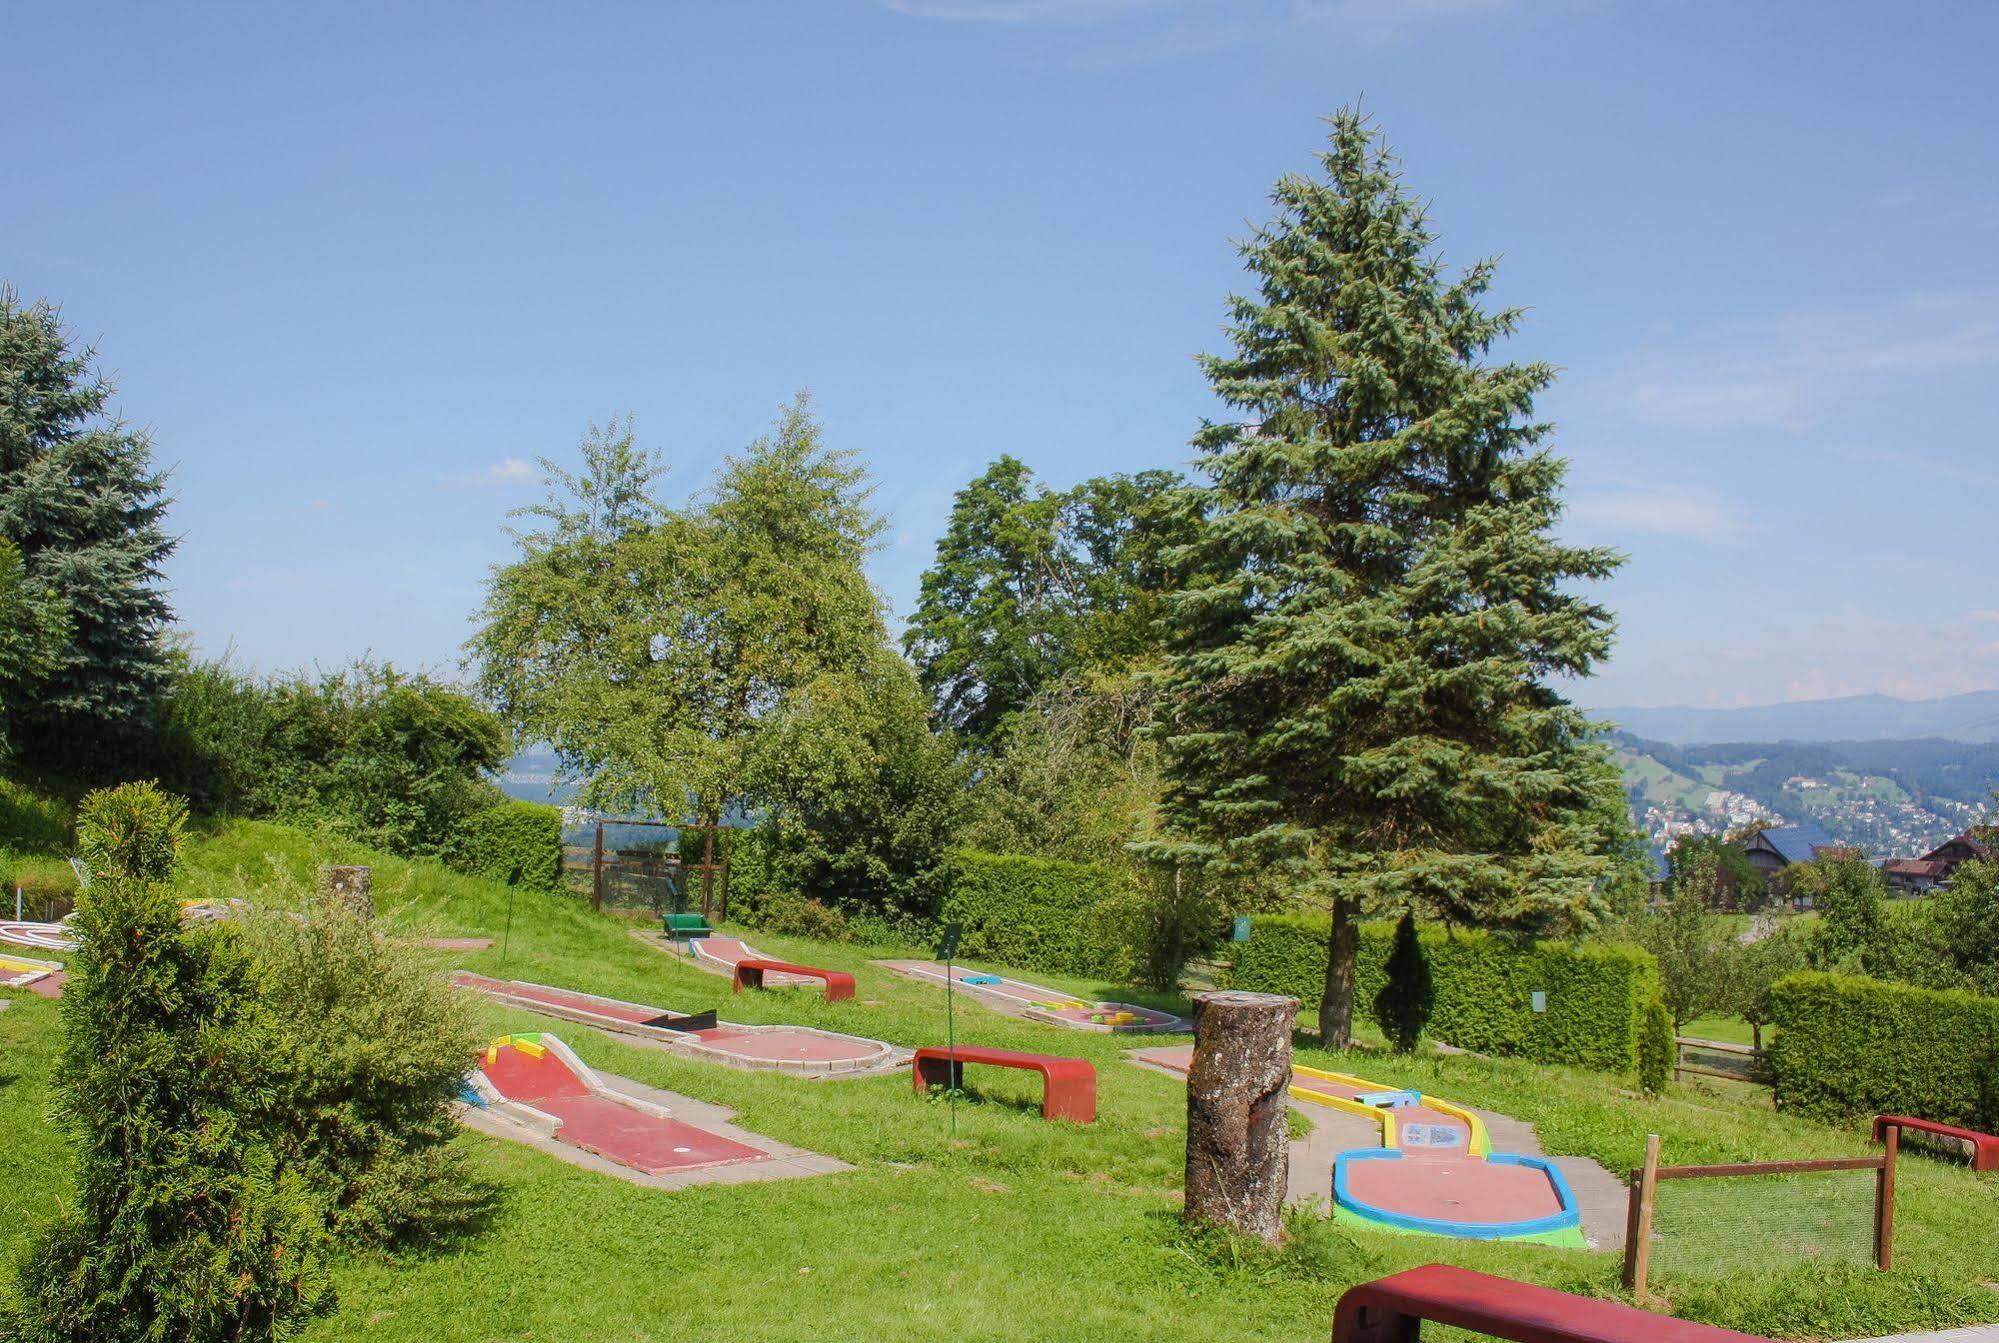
[(499, 840), (1596, 994), (1040, 913), (1847, 1046)]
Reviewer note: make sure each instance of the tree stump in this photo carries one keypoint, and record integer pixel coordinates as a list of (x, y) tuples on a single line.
[(1238, 1150), (349, 888)]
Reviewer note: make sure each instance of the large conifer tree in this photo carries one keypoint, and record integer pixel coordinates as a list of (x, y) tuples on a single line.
[(81, 500), (1358, 702)]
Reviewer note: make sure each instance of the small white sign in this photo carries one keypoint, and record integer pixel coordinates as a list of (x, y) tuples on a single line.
[(1540, 1000)]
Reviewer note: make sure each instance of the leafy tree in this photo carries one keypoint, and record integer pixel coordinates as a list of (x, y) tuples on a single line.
[(1359, 691), (81, 501), (1690, 942), (183, 1226), (1408, 995), (1031, 586), (1850, 898), (1965, 915), (729, 655), (1074, 774), (1752, 969), (1738, 882)]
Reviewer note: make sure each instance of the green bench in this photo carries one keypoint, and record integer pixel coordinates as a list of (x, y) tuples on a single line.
[(686, 927)]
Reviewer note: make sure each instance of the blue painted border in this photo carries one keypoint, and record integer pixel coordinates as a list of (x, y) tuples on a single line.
[(1568, 1217)]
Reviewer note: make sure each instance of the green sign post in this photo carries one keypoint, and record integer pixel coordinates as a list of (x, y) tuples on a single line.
[(947, 951)]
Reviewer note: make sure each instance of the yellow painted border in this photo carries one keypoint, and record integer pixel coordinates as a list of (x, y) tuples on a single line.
[(1481, 1142)]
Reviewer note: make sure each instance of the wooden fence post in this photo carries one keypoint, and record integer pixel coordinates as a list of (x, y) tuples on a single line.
[(1884, 1201), (1638, 1223), (597, 871)]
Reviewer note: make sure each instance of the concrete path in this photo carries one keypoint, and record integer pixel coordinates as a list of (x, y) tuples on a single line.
[(786, 1163)]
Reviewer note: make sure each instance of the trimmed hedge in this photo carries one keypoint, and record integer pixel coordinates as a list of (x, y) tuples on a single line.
[(1040, 913), (1597, 993), (1848, 1046), (512, 836)]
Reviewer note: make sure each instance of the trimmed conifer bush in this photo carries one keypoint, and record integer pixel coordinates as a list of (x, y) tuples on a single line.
[(184, 1227), (1408, 992)]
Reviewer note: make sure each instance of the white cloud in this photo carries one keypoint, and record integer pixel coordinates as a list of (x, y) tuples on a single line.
[(1694, 513), (1795, 370), (507, 471)]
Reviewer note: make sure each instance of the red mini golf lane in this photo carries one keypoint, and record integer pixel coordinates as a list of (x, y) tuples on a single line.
[(524, 1070), (771, 1044), (1043, 1003), (721, 954)]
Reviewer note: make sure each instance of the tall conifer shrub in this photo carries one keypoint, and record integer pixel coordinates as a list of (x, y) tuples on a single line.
[(182, 1229)]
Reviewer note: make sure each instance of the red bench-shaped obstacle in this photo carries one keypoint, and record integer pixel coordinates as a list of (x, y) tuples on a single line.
[(750, 972), (1068, 1086), (1392, 1310), (1984, 1146)]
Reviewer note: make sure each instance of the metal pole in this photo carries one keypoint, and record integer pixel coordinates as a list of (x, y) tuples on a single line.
[(507, 941), (597, 871)]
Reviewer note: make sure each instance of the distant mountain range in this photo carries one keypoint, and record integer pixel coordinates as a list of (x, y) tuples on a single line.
[(1966, 718)]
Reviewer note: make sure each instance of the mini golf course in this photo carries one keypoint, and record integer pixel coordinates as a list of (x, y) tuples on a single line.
[(792, 1049), (534, 1079), (40, 936), (720, 955), (1435, 1172), (25, 972), (1019, 998)]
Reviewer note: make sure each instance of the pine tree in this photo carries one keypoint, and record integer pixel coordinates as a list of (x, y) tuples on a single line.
[(80, 498), (1358, 692)]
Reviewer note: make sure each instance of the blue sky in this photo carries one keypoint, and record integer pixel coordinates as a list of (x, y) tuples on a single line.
[(356, 266)]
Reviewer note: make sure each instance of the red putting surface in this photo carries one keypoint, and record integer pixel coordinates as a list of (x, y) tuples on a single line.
[(795, 1046), (720, 954), (1019, 993), (600, 1123), (1453, 1187)]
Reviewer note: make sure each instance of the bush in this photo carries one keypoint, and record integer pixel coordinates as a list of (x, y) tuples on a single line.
[(369, 1049), (1657, 1049), (1848, 1046), (519, 843), (390, 759), (791, 915), (132, 832), (1408, 993), (1596, 993), (183, 1226), (1042, 913)]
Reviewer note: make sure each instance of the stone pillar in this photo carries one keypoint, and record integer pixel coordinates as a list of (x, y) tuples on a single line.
[(1238, 1150), (349, 887)]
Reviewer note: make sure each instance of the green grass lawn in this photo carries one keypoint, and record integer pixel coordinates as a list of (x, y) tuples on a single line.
[(1019, 1229)]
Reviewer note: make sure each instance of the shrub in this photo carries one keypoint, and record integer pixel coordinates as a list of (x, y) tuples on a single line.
[(516, 842), (794, 916), (1042, 913), (1596, 993), (369, 1049), (183, 1225), (132, 832), (1848, 1046), (1657, 1049), (1408, 992)]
